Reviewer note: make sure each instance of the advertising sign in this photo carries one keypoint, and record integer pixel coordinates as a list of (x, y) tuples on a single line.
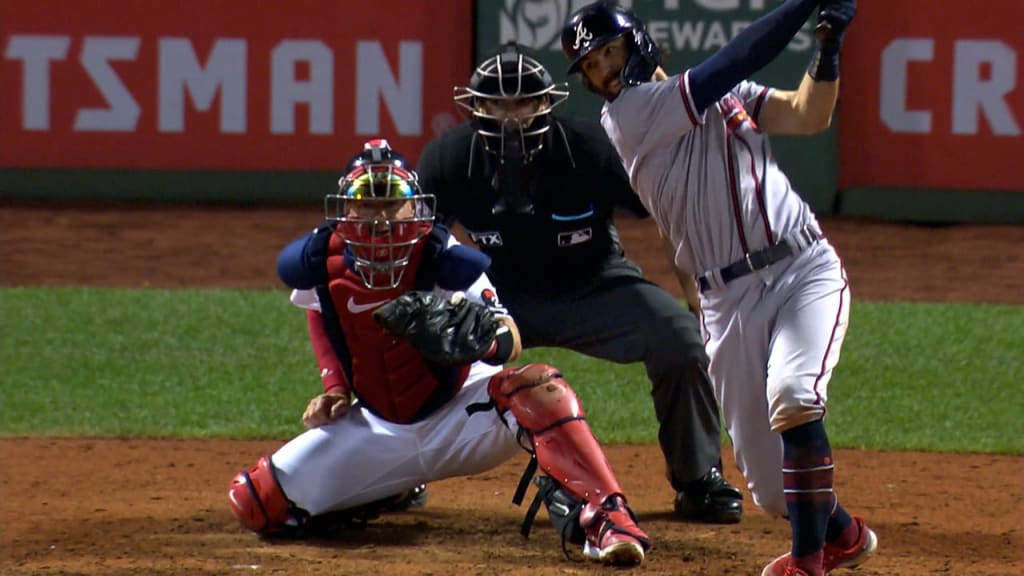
[(225, 84), (934, 98)]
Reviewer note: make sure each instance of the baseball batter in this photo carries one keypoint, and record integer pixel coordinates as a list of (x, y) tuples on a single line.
[(773, 293), (410, 337)]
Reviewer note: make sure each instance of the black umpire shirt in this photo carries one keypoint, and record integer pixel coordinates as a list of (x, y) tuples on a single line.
[(569, 238)]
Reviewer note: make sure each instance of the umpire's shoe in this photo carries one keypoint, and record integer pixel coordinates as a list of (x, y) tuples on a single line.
[(710, 499)]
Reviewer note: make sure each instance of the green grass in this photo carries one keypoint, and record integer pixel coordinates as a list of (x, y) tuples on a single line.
[(220, 363)]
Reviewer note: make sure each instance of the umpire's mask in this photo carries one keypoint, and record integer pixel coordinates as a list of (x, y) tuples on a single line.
[(510, 98)]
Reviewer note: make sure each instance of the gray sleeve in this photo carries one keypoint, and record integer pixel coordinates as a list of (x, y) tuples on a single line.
[(753, 96)]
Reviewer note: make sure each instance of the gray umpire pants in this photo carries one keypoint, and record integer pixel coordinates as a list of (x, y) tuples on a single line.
[(623, 318)]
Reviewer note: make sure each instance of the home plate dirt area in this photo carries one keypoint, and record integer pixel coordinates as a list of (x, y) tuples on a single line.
[(159, 507)]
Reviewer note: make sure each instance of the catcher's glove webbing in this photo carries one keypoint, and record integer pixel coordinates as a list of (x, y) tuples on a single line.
[(450, 333)]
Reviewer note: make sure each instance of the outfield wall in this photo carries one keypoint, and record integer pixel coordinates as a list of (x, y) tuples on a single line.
[(144, 101)]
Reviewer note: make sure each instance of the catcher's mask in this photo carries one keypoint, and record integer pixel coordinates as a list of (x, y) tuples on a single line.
[(382, 214), (509, 100)]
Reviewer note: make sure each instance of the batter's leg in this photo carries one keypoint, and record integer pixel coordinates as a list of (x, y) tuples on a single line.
[(738, 333), (810, 330)]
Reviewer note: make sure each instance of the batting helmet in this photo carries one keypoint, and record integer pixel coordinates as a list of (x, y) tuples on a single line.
[(381, 213), (599, 23), (507, 78)]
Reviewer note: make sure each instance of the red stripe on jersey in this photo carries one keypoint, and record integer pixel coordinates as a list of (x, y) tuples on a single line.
[(760, 101), (686, 99), (758, 191), (734, 190)]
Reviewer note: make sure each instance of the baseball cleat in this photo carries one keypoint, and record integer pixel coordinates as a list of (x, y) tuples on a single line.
[(408, 500), (859, 553), (613, 538), (625, 552), (782, 567), (834, 557)]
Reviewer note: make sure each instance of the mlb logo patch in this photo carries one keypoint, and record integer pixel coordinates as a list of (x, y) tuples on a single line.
[(485, 238), (575, 237)]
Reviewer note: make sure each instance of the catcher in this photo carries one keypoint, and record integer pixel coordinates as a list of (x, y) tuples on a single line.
[(410, 338)]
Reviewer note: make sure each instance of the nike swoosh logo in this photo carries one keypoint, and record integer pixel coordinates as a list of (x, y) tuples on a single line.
[(357, 308)]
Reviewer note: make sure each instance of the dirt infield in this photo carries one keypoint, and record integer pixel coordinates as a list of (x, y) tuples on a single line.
[(158, 507)]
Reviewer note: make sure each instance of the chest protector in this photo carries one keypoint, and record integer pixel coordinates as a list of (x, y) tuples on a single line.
[(388, 376)]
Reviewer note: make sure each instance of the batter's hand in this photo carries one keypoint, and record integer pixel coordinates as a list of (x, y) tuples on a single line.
[(834, 17), (325, 408)]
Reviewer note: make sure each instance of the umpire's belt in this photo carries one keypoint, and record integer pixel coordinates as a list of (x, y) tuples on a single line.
[(794, 243)]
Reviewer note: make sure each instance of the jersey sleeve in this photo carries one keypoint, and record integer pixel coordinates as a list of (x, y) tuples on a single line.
[(300, 265), (753, 96), (464, 270), (332, 375), (483, 292), (306, 299), (458, 266)]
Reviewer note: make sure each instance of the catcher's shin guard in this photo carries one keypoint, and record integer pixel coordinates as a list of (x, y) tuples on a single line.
[(549, 412), (258, 501)]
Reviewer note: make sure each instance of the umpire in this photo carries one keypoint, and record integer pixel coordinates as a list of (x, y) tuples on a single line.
[(537, 194)]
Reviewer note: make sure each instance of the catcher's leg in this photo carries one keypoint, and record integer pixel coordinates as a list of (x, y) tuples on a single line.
[(258, 501), (550, 415)]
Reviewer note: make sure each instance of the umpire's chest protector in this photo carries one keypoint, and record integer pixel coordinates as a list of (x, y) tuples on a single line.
[(388, 376)]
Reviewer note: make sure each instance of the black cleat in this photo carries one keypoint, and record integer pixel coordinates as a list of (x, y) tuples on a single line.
[(710, 499), (329, 523), (414, 498)]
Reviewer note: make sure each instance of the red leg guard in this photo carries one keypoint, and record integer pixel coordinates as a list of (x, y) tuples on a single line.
[(550, 413), (257, 499)]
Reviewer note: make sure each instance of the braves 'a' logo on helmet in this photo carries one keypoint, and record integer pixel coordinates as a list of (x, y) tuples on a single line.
[(582, 34)]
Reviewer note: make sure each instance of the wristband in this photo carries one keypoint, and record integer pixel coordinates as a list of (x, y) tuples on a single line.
[(824, 65), (501, 349)]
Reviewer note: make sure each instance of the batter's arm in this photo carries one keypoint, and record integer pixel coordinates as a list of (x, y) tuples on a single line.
[(807, 110)]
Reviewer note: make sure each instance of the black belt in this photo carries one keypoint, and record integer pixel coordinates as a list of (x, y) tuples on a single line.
[(754, 261)]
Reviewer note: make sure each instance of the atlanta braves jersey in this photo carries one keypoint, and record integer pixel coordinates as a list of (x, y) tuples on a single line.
[(709, 179)]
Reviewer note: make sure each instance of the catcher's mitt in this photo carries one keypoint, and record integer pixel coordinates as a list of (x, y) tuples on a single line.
[(450, 333)]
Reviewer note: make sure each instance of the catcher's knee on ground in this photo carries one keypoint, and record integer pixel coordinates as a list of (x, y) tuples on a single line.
[(257, 500)]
